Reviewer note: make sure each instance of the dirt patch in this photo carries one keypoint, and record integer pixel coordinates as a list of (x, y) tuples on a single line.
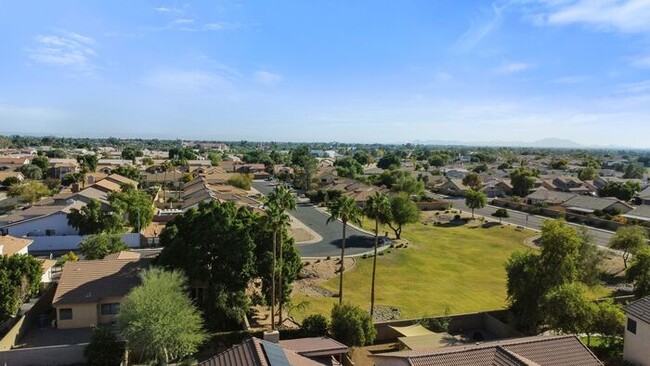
[(301, 235), (384, 313), (317, 272)]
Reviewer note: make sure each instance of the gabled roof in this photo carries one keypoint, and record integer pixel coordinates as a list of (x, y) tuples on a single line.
[(640, 213), (116, 178), (256, 352), (592, 203), (90, 281), (124, 254), (549, 196), (529, 351), (315, 346), (640, 309), (107, 185), (12, 245), (37, 212), (645, 194)]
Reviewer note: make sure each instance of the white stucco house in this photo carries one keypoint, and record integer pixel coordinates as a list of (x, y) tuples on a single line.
[(636, 349)]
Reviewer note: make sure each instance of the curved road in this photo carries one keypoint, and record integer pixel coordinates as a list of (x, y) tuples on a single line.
[(357, 242)]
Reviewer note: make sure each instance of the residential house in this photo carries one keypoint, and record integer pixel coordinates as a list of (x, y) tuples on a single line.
[(587, 205), (497, 188), (8, 163), (47, 265), (89, 292), (531, 351), (11, 174), (600, 182), (567, 184), (453, 187), (644, 196), (546, 197), (257, 352), (151, 234), (59, 170), (320, 349), (636, 348), (641, 213), (454, 173), (11, 245), (38, 221)]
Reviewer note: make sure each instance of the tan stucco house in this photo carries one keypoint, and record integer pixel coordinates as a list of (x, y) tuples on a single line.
[(89, 292)]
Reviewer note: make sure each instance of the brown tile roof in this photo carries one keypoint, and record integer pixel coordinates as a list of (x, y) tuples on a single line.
[(12, 245), (46, 264), (256, 352), (35, 212), (531, 351), (640, 309), (124, 254), (107, 185), (5, 175), (154, 229), (90, 281), (116, 178), (315, 346)]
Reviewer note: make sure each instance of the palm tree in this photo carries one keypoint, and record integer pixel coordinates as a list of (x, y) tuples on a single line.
[(346, 210), (377, 207), (276, 219), (283, 199)]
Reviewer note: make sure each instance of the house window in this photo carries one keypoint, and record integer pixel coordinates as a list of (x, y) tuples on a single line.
[(631, 326), (50, 232), (65, 314), (110, 309)]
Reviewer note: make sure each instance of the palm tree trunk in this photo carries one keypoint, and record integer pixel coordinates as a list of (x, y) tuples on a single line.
[(345, 224), (273, 283), (374, 268), (280, 289)]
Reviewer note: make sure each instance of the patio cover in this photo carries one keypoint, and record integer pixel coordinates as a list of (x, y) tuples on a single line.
[(412, 330), (428, 341)]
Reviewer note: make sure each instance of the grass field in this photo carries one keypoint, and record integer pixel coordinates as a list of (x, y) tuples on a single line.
[(461, 267)]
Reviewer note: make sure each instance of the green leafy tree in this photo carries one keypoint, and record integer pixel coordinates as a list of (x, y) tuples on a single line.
[(87, 163), (130, 153), (522, 180), (128, 171), (559, 257), (137, 205), (639, 273), (104, 349), (9, 296), (314, 325), (346, 210), (158, 320), (403, 211), (29, 192), (377, 208), (438, 160), (590, 258), (99, 246), (623, 191), (363, 157), (629, 240), (634, 171), (242, 181), (587, 173), (608, 321), (215, 246), (20, 276), (215, 158), (501, 213), (525, 290), (31, 171), (472, 180), (389, 161), (568, 309), (92, 219), (409, 185), (352, 326), (68, 257), (475, 199), (72, 178), (348, 167)]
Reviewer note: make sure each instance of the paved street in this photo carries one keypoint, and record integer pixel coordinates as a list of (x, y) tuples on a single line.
[(531, 221), (357, 241)]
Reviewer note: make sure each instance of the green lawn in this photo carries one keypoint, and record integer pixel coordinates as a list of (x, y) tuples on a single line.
[(460, 267)]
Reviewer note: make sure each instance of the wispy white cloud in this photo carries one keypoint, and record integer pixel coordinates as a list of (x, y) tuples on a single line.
[(480, 29), (187, 80), (182, 21), (67, 49), (571, 79), (634, 88), (625, 16), (513, 67), (641, 61), (266, 77)]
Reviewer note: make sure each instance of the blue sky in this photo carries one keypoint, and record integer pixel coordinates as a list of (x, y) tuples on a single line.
[(303, 70)]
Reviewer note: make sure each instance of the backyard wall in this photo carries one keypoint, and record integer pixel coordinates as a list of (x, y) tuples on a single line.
[(24, 321), (70, 354), (71, 242)]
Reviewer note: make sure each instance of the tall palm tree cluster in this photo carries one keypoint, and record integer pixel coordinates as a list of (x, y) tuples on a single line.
[(278, 203), (346, 210)]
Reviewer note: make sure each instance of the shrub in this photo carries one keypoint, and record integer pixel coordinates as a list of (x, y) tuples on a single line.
[(242, 181), (352, 326), (314, 325), (457, 217), (104, 348)]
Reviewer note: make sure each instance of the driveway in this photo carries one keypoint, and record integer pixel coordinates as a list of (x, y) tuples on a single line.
[(357, 242), (601, 237)]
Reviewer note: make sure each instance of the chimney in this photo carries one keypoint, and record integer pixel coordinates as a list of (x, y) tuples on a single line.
[(272, 336)]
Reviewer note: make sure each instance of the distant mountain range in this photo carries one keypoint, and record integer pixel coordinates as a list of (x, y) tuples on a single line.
[(553, 143)]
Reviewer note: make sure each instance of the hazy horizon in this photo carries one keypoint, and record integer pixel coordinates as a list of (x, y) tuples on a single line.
[(472, 71)]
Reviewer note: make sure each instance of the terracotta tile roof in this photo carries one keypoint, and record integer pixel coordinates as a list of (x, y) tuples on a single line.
[(531, 351), (90, 281), (12, 245), (256, 352), (640, 309), (315, 346)]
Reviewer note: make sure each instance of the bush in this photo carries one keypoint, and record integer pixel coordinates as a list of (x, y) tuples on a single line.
[(457, 217), (314, 325), (104, 348), (352, 326), (242, 181)]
